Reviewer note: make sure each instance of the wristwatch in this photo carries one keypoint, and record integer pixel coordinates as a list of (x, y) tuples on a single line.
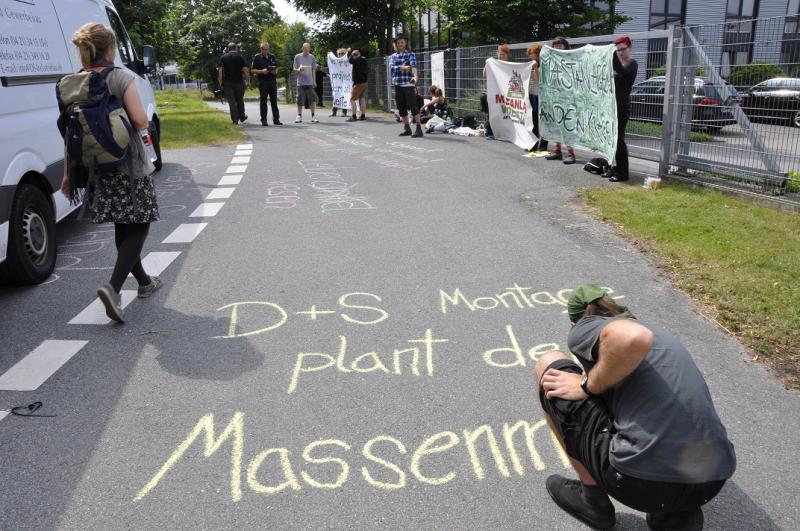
[(585, 385)]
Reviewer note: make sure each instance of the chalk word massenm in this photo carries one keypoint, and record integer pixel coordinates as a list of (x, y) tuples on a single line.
[(386, 462)]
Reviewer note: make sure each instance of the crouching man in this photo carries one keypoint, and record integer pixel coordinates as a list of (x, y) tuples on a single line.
[(637, 421)]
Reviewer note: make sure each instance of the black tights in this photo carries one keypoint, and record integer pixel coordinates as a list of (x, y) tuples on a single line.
[(129, 238)]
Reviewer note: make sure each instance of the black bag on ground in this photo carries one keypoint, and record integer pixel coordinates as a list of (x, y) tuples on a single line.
[(598, 166)]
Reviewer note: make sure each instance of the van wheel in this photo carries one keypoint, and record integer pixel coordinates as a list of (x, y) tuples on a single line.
[(156, 145), (31, 238)]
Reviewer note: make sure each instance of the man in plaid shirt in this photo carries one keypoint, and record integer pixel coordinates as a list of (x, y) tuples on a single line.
[(403, 68)]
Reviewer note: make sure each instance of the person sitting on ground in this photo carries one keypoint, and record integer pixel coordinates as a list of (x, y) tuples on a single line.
[(637, 420), (341, 52), (502, 54), (560, 43), (533, 52), (437, 106), (625, 70)]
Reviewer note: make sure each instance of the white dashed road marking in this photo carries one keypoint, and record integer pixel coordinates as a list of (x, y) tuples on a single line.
[(156, 262), (230, 180), (95, 313), (35, 368), (244, 146), (240, 160), (220, 193), (243, 153), (207, 210), (237, 169), (185, 233)]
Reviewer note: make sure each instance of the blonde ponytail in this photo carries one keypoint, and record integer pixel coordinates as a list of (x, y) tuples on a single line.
[(93, 41)]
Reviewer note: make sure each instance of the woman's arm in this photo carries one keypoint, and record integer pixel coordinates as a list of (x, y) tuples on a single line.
[(133, 106)]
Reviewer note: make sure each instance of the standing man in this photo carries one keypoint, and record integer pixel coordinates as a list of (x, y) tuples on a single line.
[(306, 67), (233, 76), (359, 92), (403, 68), (265, 68), (625, 70), (637, 420)]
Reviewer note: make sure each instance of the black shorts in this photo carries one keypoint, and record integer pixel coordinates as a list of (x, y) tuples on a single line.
[(587, 429), (406, 99)]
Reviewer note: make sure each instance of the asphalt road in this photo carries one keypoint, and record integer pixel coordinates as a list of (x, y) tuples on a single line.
[(333, 350)]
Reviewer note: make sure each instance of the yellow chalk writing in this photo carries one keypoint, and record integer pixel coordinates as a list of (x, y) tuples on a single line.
[(343, 474), (429, 447), (234, 319), (367, 452), (290, 480)]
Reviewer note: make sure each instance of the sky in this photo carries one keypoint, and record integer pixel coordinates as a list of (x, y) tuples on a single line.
[(289, 14)]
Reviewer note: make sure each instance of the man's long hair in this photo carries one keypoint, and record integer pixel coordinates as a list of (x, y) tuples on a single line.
[(607, 307)]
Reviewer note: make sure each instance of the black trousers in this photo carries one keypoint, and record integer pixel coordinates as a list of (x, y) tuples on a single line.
[(234, 93), (268, 89), (621, 157)]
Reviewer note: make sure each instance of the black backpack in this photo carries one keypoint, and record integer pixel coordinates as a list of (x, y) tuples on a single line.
[(598, 166)]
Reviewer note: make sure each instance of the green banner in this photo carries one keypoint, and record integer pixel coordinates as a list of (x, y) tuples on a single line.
[(576, 98)]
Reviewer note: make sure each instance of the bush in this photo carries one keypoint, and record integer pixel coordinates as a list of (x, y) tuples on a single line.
[(745, 76), (794, 182), (662, 71)]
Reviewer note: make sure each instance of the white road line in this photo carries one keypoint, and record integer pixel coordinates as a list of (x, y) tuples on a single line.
[(95, 313), (236, 169), (3, 414), (156, 262), (243, 153), (40, 364), (229, 180), (206, 210), (240, 160), (185, 233), (244, 146), (220, 193)]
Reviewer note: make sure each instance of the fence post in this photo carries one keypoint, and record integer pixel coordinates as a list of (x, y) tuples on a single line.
[(669, 111), (386, 60)]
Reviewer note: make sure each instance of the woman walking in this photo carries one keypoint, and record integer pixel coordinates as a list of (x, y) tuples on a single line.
[(124, 196)]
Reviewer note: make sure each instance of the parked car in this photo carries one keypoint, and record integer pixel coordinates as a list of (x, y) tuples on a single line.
[(709, 112), (776, 99)]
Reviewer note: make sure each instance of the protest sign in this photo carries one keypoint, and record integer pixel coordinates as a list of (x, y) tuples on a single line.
[(341, 73), (507, 95), (437, 69), (577, 105)]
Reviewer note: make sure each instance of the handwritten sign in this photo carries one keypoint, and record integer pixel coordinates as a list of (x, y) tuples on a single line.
[(507, 93), (576, 98), (341, 73)]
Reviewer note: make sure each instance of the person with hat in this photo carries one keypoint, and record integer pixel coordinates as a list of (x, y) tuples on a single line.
[(403, 69), (625, 70), (636, 420)]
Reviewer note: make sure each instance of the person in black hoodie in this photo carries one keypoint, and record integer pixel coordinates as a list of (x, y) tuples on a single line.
[(625, 70), (359, 91)]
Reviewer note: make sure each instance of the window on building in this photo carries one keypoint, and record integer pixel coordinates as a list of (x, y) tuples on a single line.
[(737, 45), (790, 47), (667, 13)]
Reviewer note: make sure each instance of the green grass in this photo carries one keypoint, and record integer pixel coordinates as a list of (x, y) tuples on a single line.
[(741, 260), (187, 121), (651, 129)]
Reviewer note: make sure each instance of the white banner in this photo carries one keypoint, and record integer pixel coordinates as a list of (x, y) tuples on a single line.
[(341, 73), (509, 109), (437, 70), (30, 40), (576, 98)]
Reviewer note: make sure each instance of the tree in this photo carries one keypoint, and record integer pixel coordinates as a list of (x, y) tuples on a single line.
[(528, 20), (204, 27), (285, 41), (363, 20), (146, 22)]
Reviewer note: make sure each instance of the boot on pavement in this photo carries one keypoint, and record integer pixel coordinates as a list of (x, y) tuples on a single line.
[(568, 494)]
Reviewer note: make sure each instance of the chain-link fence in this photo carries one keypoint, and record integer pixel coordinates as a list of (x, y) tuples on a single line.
[(718, 104)]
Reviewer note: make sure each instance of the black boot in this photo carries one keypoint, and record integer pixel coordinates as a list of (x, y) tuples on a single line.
[(406, 131), (417, 132), (568, 494)]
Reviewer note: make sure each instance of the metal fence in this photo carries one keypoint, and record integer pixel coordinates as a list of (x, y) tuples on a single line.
[(696, 109)]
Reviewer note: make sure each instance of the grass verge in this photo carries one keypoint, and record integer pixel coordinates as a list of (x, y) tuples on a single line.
[(636, 127), (742, 261), (187, 121)]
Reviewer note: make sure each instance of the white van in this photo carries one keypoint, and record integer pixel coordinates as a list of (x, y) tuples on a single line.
[(36, 50)]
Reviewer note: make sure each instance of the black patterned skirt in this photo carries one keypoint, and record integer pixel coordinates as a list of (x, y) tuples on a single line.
[(112, 201)]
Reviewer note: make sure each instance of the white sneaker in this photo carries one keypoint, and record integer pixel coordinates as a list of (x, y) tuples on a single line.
[(298, 120), (314, 120)]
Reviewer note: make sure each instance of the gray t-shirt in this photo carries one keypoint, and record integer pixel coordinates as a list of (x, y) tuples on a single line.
[(306, 77), (667, 427), (118, 82)]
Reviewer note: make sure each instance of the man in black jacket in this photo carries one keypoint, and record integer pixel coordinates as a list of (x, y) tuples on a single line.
[(234, 77), (265, 68), (359, 91), (625, 70)]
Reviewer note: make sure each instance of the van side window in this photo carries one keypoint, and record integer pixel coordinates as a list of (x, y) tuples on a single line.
[(124, 47)]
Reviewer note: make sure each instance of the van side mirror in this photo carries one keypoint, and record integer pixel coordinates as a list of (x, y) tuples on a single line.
[(149, 58)]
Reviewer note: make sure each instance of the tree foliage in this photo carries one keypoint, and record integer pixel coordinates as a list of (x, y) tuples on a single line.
[(527, 20), (204, 27), (285, 41), (146, 22)]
